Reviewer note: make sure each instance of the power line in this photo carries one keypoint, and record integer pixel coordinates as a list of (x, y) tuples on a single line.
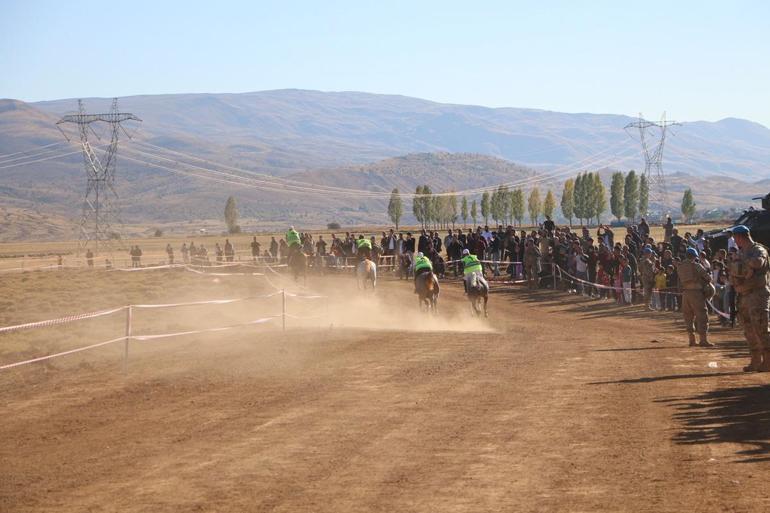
[(31, 149), (232, 179), (52, 157), (272, 183)]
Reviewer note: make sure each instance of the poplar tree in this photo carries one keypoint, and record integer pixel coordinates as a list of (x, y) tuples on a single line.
[(534, 205), (644, 195), (568, 200), (395, 207), (688, 205), (617, 204), (631, 195), (549, 204)]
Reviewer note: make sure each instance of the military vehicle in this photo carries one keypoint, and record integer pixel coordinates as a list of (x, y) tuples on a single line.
[(757, 220)]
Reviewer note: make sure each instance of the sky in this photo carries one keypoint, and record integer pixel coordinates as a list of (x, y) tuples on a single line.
[(696, 60)]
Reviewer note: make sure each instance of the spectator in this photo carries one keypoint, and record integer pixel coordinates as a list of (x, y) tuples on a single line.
[(255, 249), (668, 230), (626, 280), (273, 248), (660, 285)]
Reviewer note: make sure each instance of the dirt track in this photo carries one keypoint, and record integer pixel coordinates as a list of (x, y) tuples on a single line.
[(569, 406)]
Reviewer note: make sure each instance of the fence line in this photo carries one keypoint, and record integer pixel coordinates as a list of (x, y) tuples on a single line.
[(129, 324)]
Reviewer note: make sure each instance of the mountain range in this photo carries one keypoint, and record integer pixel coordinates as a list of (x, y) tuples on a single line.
[(347, 139)]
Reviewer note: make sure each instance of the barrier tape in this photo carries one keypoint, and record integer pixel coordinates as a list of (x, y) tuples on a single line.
[(205, 330), (718, 311), (305, 316), (63, 353), (222, 274), (609, 287), (304, 296), (148, 268), (61, 320), (208, 302)]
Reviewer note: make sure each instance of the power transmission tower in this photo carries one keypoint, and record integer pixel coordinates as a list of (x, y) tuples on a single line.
[(653, 155), (100, 201)]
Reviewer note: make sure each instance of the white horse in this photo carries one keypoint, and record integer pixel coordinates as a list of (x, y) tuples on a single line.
[(366, 274)]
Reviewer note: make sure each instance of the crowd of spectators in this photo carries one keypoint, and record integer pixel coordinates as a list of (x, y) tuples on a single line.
[(623, 264)]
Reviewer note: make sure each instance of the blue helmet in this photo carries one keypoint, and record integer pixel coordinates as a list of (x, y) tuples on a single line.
[(692, 251), (741, 229)]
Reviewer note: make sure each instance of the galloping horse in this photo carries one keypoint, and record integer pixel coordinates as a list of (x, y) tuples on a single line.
[(298, 265), (366, 273), (478, 294), (427, 291)]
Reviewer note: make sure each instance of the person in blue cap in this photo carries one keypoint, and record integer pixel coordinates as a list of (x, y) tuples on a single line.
[(694, 277), (749, 275)]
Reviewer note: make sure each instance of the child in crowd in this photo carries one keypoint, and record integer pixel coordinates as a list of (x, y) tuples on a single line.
[(626, 276), (619, 282), (604, 280), (670, 299), (660, 285)]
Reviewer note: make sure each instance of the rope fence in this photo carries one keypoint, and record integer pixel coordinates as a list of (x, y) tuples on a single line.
[(129, 312)]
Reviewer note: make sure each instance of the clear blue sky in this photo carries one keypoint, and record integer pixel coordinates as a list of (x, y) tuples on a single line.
[(695, 59)]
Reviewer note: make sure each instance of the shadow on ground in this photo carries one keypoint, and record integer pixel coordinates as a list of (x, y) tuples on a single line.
[(739, 415)]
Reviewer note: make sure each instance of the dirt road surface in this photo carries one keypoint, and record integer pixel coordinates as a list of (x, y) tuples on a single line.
[(568, 405)]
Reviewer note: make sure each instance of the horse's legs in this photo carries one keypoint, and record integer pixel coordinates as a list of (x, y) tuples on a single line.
[(486, 299)]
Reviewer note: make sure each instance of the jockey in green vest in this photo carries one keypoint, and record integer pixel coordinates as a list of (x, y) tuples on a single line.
[(293, 241), (364, 247), (472, 270), (422, 264)]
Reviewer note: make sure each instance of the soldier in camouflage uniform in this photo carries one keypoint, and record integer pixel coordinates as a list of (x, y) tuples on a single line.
[(749, 276), (694, 277)]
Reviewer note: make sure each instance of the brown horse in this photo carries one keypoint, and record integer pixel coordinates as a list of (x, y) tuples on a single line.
[(427, 291), (298, 266), (478, 294)]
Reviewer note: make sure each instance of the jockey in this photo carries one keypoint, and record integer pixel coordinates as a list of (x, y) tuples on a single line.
[(472, 267), (364, 247), (422, 265), (293, 241)]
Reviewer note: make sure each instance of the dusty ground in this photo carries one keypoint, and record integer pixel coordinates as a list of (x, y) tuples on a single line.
[(570, 405)]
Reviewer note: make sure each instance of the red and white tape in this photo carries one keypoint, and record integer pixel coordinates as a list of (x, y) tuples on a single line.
[(61, 320), (63, 353)]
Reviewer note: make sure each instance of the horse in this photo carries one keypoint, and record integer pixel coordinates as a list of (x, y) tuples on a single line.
[(427, 291), (478, 294), (298, 265), (366, 273)]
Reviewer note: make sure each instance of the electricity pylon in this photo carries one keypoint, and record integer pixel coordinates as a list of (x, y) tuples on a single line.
[(100, 209), (653, 156)]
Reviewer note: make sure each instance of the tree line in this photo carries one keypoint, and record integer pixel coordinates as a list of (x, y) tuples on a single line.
[(583, 198)]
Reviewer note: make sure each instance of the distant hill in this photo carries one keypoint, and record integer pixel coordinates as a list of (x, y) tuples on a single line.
[(442, 171), (352, 140), (287, 131)]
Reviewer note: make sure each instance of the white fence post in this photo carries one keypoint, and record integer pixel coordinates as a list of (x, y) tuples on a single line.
[(129, 319)]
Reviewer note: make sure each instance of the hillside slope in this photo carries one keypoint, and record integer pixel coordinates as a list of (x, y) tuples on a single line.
[(285, 131)]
